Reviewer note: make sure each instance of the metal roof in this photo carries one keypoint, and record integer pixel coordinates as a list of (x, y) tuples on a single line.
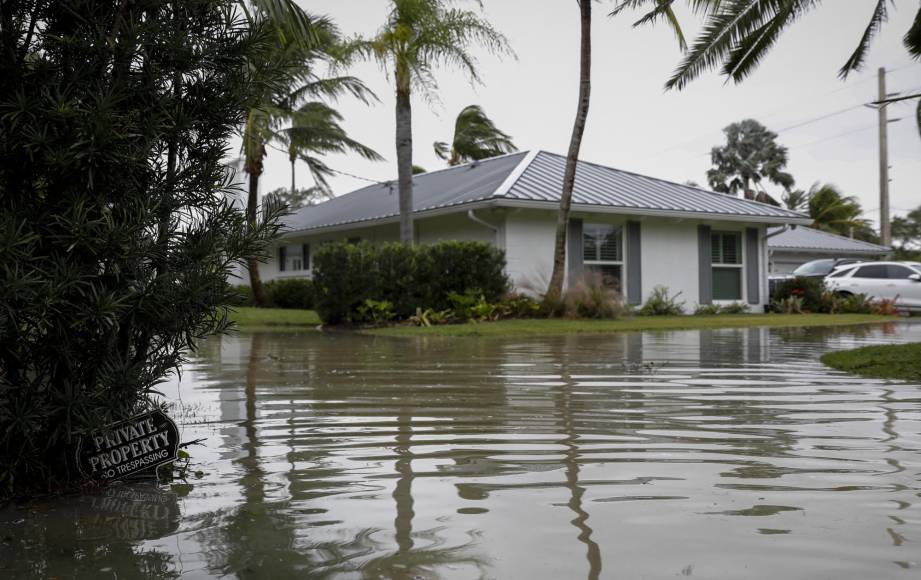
[(803, 238), (535, 178)]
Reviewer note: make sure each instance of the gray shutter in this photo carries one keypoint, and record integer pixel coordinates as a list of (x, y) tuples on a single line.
[(704, 265), (574, 250), (281, 258), (634, 264), (305, 257), (752, 270)]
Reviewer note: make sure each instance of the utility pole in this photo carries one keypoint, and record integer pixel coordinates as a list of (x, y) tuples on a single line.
[(884, 232)]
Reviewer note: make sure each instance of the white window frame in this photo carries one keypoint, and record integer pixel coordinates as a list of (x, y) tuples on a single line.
[(289, 265), (740, 266), (587, 263)]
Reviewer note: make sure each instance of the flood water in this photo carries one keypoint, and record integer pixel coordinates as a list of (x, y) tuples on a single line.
[(707, 454)]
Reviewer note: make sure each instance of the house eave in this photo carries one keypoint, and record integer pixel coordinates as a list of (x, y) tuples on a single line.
[(551, 205)]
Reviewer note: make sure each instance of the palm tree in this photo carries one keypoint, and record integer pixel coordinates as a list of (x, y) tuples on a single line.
[(287, 74), (750, 156), (475, 137), (831, 211), (738, 34), (418, 36), (316, 131), (555, 288), (797, 200)]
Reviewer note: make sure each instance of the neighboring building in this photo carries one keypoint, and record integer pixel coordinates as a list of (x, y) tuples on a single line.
[(638, 231), (793, 247)]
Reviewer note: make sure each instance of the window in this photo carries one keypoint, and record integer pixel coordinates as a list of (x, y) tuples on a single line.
[(726, 258), (294, 257), (877, 271), (841, 273), (603, 252), (899, 272)]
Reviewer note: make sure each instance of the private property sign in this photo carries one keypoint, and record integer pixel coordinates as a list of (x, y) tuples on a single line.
[(128, 447)]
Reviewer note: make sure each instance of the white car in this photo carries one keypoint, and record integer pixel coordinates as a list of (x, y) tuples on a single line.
[(899, 281)]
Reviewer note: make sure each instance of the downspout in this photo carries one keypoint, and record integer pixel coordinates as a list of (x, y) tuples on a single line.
[(780, 231), (495, 230)]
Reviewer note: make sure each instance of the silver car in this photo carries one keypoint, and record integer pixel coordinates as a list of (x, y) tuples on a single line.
[(899, 281)]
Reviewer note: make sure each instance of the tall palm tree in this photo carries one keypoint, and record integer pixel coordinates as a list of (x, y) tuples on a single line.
[(288, 74), (555, 288), (475, 137), (831, 211), (738, 34), (316, 131), (418, 36)]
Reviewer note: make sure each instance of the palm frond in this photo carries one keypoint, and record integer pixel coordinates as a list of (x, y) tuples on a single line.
[(912, 38), (880, 14)]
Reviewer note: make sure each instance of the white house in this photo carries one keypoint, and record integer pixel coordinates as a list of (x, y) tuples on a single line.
[(790, 248), (638, 231)]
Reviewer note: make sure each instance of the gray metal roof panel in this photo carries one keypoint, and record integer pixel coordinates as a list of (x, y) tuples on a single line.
[(535, 177), (600, 185), (803, 238), (441, 188)]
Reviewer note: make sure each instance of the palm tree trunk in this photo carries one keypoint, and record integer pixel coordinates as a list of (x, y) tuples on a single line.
[(555, 289), (292, 179), (405, 157), (252, 264)]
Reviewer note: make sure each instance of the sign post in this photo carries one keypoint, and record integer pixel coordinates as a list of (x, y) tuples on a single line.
[(125, 448)]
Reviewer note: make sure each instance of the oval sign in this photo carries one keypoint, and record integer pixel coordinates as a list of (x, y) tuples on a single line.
[(125, 448)]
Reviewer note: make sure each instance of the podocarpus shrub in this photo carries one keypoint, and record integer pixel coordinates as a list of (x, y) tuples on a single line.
[(116, 239), (293, 293), (811, 291), (407, 277)]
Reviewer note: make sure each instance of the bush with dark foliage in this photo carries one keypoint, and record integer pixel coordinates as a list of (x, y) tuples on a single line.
[(407, 277), (116, 238)]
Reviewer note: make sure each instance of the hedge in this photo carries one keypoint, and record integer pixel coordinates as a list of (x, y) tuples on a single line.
[(408, 277)]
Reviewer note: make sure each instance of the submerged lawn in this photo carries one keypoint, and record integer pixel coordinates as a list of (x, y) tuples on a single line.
[(888, 361), (249, 318), (543, 327)]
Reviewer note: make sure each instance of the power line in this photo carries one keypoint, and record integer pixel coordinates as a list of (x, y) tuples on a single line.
[(811, 143), (799, 124)]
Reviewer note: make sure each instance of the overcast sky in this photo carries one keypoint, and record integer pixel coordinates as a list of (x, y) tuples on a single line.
[(633, 124)]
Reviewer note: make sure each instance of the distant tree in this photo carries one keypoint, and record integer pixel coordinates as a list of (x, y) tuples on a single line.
[(116, 236), (297, 199), (420, 35), (417, 169), (750, 156), (475, 137), (831, 211), (906, 230), (797, 200), (316, 131)]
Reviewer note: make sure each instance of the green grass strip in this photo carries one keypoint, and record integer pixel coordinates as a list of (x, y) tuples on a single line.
[(545, 327), (888, 361)]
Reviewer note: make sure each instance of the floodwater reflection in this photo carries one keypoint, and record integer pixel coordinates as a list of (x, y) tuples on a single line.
[(717, 454)]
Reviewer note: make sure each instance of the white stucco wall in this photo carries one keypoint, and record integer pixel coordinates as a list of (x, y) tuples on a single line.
[(669, 254), (528, 239)]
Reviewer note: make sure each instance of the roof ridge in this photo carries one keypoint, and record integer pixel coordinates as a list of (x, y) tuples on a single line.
[(698, 188), (515, 174)]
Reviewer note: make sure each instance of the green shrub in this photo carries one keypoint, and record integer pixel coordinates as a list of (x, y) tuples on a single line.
[(790, 305), (855, 304), (291, 293), (375, 311), (811, 290), (521, 306), (589, 298), (408, 277), (660, 303), (706, 310), (734, 308), (241, 296)]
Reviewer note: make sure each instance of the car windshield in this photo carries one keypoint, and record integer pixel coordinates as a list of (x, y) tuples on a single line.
[(815, 268)]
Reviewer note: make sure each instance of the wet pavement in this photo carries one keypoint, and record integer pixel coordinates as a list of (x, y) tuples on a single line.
[(711, 454)]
